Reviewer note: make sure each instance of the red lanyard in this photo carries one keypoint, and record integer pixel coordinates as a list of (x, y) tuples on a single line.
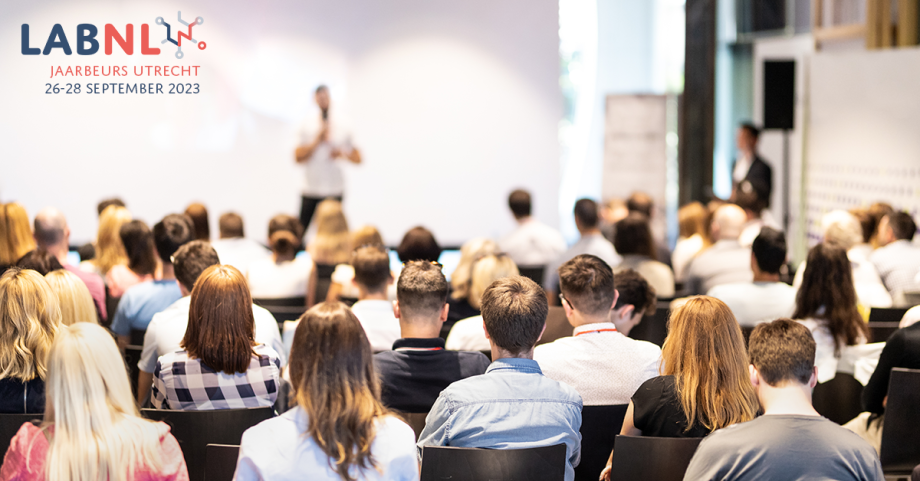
[(597, 330), (419, 349)]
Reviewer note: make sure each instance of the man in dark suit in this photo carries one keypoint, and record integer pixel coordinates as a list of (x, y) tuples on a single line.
[(750, 171)]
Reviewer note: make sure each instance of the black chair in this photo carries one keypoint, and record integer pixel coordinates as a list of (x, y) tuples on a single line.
[(901, 431), (220, 462), (323, 281), (471, 464), (534, 273), (132, 357), (599, 427), (415, 420), (653, 328), (196, 429), (284, 399), (646, 457), (839, 399), (881, 331), (283, 309), (883, 321), (137, 337), (557, 325), (348, 301), (10, 424), (111, 306)]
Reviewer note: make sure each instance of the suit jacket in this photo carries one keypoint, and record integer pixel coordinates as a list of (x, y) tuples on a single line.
[(760, 175)]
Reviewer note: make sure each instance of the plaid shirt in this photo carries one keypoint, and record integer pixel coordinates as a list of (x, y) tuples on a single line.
[(184, 383)]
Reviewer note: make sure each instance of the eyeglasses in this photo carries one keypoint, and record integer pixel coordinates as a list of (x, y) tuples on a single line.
[(563, 300)]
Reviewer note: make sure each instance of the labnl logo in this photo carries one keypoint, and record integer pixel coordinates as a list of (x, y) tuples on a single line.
[(180, 34)]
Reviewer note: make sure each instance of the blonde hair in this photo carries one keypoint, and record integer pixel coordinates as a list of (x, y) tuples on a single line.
[(705, 353), (15, 233), (331, 245), (693, 219), (110, 251), (485, 271), (73, 296), (471, 250), (29, 318), (98, 432), (842, 228), (365, 235)]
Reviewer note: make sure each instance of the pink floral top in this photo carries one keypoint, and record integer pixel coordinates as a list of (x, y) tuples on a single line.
[(25, 460), (120, 278)]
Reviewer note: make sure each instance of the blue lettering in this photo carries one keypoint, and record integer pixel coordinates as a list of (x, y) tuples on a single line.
[(86, 33), (26, 50), (57, 39)]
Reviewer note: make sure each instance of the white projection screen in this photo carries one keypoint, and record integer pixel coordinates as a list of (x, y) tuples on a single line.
[(452, 103)]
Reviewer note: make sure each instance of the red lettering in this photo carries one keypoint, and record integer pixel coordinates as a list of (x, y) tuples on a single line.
[(127, 45), (146, 49), (69, 72), (156, 71)]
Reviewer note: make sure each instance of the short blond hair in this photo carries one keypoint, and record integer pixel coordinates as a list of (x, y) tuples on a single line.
[(29, 318), (73, 296), (470, 251)]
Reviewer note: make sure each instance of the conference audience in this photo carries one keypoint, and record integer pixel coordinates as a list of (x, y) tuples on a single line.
[(92, 428), (39, 261), (30, 317), (418, 368), (826, 305), (52, 234), (726, 260), (141, 265), (343, 285), (198, 214), (461, 279), (233, 247), (601, 363), (468, 334), (282, 275), (338, 429), (766, 298), (109, 251), (74, 298), (221, 366), (693, 224), (15, 235), (610, 212), (633, 241), (790, 440), (167, 328), (635, 300), (373, 309), (531, 243), (753, 207), (331, 244), (138, 305), (643, 204), (512, 405), (418, 244), (897, 260), (591, 242)]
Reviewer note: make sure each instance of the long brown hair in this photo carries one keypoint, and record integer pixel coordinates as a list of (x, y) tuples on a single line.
[(138, 243), (220, 320), (332, 371), (705, 353), (110, 251), (828, 286), (15, 233)]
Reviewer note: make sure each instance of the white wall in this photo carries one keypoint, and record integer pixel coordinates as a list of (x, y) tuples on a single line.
[(453, 104)]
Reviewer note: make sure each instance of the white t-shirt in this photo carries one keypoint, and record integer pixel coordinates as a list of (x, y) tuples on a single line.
[(239, 252), (323, 173), (271, 280), (533, 243), (468, 335), (684, 251), (657, 274), (380, 325), (755, 302)]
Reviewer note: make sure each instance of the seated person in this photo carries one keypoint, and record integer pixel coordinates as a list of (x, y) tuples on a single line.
[(635, 300), (726, 260), (141, 263), (898, 261), (39, 260), (791, 440), (513, 405), (468, 334), (73, 297), (221, 366), (233, 247), (282, 275), (633, 240), (766, 298), (693, 224), (373, 309), (342, 286), (603, 365), (532, 243), (418, 368), (591, 241), (461, 279)]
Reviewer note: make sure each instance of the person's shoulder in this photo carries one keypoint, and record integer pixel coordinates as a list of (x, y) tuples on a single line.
[(730, 290), (394, 428), (260, 313), (564, 392), (643, 347)]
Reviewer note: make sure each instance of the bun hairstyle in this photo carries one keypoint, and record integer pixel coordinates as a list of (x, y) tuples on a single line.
[(283, 243)]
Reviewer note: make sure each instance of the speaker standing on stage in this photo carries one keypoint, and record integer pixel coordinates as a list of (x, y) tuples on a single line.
[(324, 143), (750, 170)]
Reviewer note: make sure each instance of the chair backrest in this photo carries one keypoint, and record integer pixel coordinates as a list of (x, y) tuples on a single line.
[(881, 331), (557, 325), (472, 464), (599, 427), (839, 399), (323, 281), (137, 336), (415, 420), (534, 273), (886, 314), (220, 462), (132, 357), (646, 457), (111, 307), (653, 328), (901, 430), (196, 429), (299, 301), (10, 424)]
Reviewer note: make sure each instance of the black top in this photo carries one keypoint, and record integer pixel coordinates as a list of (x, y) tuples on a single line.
[(760, 175), (22, 397), (901, 350), (459, 310), (657, 411), (411, 380)]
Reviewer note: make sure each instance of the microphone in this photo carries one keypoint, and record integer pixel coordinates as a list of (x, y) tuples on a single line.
[(325, 114)]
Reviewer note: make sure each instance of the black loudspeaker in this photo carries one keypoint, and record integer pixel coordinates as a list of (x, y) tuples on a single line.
[(779, 94)]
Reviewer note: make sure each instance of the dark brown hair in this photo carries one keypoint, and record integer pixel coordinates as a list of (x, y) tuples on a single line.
[(902, 225), (230, 225), (285, 222), (107, 202), (332, 372), (138, 242), (39, 260), (372, 267), (782, 350), (514, 312), (519, 203), (170, 234), (641, 203), (418, 244), (586, 213), (635, 291), (866, 222), (191, 260), (827, 293), (220, 321), (586, 281), (421, 289), (634, 236), (198, 214)]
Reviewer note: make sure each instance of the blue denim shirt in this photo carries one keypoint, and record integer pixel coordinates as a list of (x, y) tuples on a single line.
[(511, 406)]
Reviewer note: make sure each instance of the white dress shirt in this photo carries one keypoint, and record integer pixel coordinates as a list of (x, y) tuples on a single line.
[(380, 325), (657, 274), (756, 302), (467, 335), (281, 449), (897, 264), (603, 365), (275, 280), (684, 251), (239, 252), (323, 172), (167, 329), (594, 244), (724, 262), (533, 243), (826, 358)]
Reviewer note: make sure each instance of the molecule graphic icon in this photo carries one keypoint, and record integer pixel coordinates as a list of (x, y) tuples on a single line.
[(180, 34)]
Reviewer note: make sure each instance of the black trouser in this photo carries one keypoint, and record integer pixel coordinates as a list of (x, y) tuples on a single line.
[(308, 207)]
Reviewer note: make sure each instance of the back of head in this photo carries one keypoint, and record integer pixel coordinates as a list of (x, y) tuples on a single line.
[(29, 318), (842, 228), (285, 222), (693, 218), (110, 251), (519, 203), (769, 250), (587, 283), (634, 236), (751, 130), (514, 312), (73, 296), (586, 214), (635, 291), (332, 372), (138, 241), (705, 353), (372, 267), (367, 235), (421, 290), (40, 261), (221, 326), (331, 245), (284, 234), (283, 243), (230, 226), (50, 226), (15, 233), (728, 222), (191, 260), (902, 225), (783, 351), (485, 271), (749, 199), (170, 234), (419, 244), (641, 203), (866, 223), (106, 203), (471, 250), (198, 214)]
